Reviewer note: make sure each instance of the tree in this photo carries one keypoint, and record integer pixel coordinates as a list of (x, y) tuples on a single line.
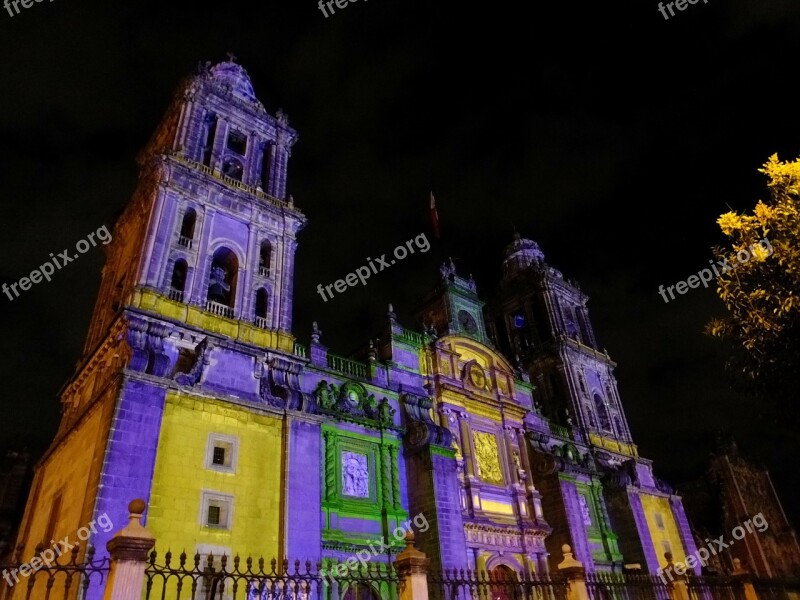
[(761, 291)]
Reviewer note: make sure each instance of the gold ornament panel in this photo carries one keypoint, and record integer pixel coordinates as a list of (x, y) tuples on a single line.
[(487, 457)]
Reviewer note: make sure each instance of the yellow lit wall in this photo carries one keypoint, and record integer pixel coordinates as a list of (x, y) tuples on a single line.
[(72, 471), (181, 476), (657, 504)]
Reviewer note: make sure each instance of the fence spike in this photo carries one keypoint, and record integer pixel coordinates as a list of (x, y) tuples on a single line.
[(74, 557)]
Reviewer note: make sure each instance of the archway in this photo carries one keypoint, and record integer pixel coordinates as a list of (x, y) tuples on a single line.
[(360, 591), (222, 279), (504, 582)]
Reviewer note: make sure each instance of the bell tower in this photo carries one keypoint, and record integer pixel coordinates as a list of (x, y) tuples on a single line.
[(192, 328), (211, 226), (542, 319)]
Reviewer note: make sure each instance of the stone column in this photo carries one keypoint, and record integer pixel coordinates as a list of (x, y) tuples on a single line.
[(129, 549), (412, 568), (467, 451), (575, 573)]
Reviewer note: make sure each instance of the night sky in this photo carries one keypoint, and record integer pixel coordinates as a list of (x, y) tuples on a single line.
[(611, 136)]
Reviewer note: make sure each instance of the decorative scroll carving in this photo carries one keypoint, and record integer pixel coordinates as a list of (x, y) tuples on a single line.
[(146, 342), (422, 429), (200, 360), (352, 400), (280, 385)]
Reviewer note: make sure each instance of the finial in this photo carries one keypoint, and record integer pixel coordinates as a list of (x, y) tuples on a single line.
[(372, 353), (569, 561), (231, 57), (316, 332)]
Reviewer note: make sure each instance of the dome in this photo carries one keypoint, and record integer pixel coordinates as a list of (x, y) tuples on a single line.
[(234, 77), (521, 254)]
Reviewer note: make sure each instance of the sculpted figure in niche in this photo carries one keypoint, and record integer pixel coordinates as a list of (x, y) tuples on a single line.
[(355, 475)]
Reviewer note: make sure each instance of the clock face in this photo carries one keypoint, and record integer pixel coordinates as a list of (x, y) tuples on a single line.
[(467, 321)]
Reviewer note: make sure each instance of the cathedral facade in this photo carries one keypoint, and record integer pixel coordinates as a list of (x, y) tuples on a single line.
[(499, 427)]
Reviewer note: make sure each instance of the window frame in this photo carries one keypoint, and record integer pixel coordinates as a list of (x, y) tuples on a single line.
[(222, 440), (209, 498)]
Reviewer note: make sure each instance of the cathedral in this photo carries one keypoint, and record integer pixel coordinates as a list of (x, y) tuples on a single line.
[(497, 424)]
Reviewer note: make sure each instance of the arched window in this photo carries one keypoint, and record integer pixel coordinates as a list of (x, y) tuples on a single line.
[(569, 323), (262, 303), (590, 416), (178, 282), (602, 413), (360, 591), (581, 383), (266, 167), (618, 427), (210, 126), (222, 282), (233, 168), (265, 258), (187, 228), (584, 327)]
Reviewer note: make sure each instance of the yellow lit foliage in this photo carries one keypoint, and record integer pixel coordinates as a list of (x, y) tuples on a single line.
[(761, 294)]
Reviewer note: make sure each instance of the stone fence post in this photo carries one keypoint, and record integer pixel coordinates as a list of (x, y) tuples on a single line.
[(575, 574), (412, 568), (742, 575), (129, 549), (678, 585)]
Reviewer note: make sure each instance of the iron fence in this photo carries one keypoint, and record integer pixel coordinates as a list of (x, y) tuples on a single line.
[(453, 584), (714, 588), (626, 586), (777, 589), (64, 577), (210, 577)]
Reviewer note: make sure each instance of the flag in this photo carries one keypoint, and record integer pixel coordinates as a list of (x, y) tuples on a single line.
[(435, 218)]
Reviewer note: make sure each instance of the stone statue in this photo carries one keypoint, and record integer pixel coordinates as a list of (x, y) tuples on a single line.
[(355, 475)]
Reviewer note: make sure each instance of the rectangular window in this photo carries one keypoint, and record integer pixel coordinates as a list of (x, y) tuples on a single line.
[(237, 142), (216, 510), (659, 521), (222, 452)]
